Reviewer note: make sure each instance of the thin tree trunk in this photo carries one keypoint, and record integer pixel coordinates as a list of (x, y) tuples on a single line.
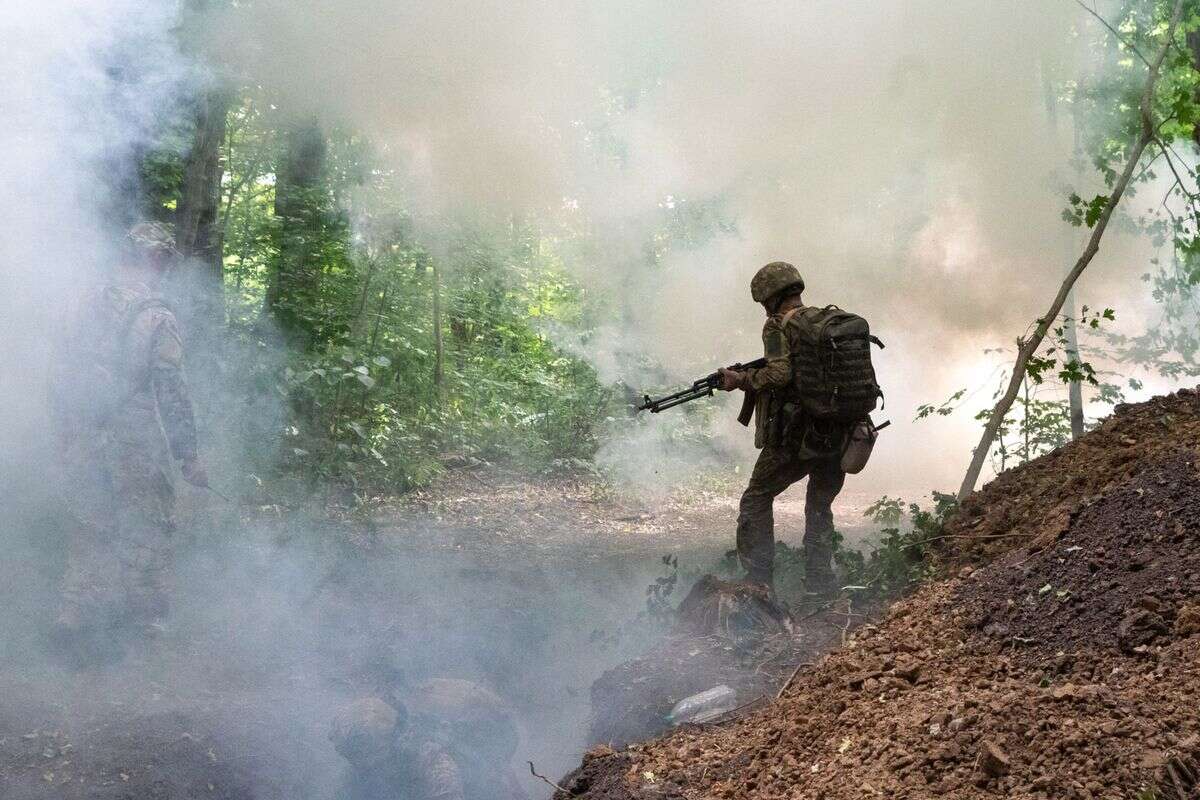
[(438, 348), (295, 278), (362, 400), (196, 232), (1030, 346), (1075, 388)]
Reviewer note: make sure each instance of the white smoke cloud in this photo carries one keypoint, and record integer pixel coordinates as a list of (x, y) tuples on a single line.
[(899, 152), (84, 82)]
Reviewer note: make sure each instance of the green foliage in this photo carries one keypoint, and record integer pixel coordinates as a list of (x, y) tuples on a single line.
[(943, 409), (387, 362), (1084, 212), (899, 561)]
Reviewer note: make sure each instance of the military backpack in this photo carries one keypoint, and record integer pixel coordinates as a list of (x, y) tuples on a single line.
[(834, 379)]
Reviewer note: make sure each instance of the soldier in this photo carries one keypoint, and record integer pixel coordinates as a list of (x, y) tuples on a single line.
[(387, 760), (121, 403), (452, 740), (785, 458)]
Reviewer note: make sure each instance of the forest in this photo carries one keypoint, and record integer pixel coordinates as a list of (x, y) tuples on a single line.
[(381, 505)]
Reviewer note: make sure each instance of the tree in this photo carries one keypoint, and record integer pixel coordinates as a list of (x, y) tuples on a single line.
[(198, 235), (301, 202), (1147, 133)]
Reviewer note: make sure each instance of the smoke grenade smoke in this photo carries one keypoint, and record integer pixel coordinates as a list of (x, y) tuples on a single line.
[(904, 154)]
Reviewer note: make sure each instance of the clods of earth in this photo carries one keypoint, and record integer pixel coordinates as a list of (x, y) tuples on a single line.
[(1060, 658), (728, 634)]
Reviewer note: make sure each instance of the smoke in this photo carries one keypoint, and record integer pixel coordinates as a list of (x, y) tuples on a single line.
[(899, 152), (85, 81), (904, 154)]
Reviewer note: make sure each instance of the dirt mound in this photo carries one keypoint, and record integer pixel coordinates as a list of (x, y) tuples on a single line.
[(1036, 501), (1120, 575), (990, 684)]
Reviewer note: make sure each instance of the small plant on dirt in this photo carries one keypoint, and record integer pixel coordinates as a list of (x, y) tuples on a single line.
[(658, 593), (900, 560)]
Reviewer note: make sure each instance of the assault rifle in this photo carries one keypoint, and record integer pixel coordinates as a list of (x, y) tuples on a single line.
[(701, 388)]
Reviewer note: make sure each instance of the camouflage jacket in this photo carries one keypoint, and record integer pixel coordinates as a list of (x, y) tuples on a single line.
[(119, 377), (769, 383), (418, 770)]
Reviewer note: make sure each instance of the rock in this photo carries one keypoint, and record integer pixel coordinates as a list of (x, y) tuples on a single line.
[(1138, 629), (993, 762), (908, 669), (1069, 691), (966, 572), (1187, 623)]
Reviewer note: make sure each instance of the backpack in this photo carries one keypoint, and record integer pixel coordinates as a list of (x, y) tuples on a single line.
[(832, 374)]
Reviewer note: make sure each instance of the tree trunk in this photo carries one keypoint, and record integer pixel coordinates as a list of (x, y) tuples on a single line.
[(1075, 388), (197, 233), (438, 346), (299, 210), (1030, 346)]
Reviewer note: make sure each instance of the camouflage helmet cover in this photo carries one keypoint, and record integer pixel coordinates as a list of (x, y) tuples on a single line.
[(157, 237), (773, 279), (364, 730)]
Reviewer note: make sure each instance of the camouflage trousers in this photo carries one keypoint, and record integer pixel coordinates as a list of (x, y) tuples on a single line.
[(777, 469), (119, 548)]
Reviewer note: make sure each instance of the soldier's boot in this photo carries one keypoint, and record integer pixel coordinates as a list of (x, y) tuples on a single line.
[(820, 582)]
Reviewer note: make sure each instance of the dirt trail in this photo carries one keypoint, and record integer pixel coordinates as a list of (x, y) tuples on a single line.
[(1065, 668)]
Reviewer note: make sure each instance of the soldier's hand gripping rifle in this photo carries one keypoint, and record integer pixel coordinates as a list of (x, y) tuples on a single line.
[(705, 387)]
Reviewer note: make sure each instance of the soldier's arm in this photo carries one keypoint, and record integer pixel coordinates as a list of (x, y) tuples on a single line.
[(171, 390), (778, 371)]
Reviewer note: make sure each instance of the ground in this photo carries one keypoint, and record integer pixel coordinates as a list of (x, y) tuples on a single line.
[(534, 587)]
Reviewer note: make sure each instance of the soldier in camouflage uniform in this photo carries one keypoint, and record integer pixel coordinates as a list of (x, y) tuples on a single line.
[(451, 740), (387, 760), (785, 459), (123, 412)]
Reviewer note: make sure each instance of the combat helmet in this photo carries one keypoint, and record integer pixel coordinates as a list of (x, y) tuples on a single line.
[(364, 731), (773, 279), (156, 237)]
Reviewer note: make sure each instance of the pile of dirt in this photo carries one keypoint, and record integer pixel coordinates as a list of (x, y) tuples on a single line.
[(1126, 557), (1036, 501), (990, 684)]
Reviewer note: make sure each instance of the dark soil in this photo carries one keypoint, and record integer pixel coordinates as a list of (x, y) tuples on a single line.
[(601, 776), (1035, 502), (163, 756), (1126, 558), (988, 684)]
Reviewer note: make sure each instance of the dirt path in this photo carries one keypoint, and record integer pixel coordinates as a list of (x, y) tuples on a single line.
[(494, 509)]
